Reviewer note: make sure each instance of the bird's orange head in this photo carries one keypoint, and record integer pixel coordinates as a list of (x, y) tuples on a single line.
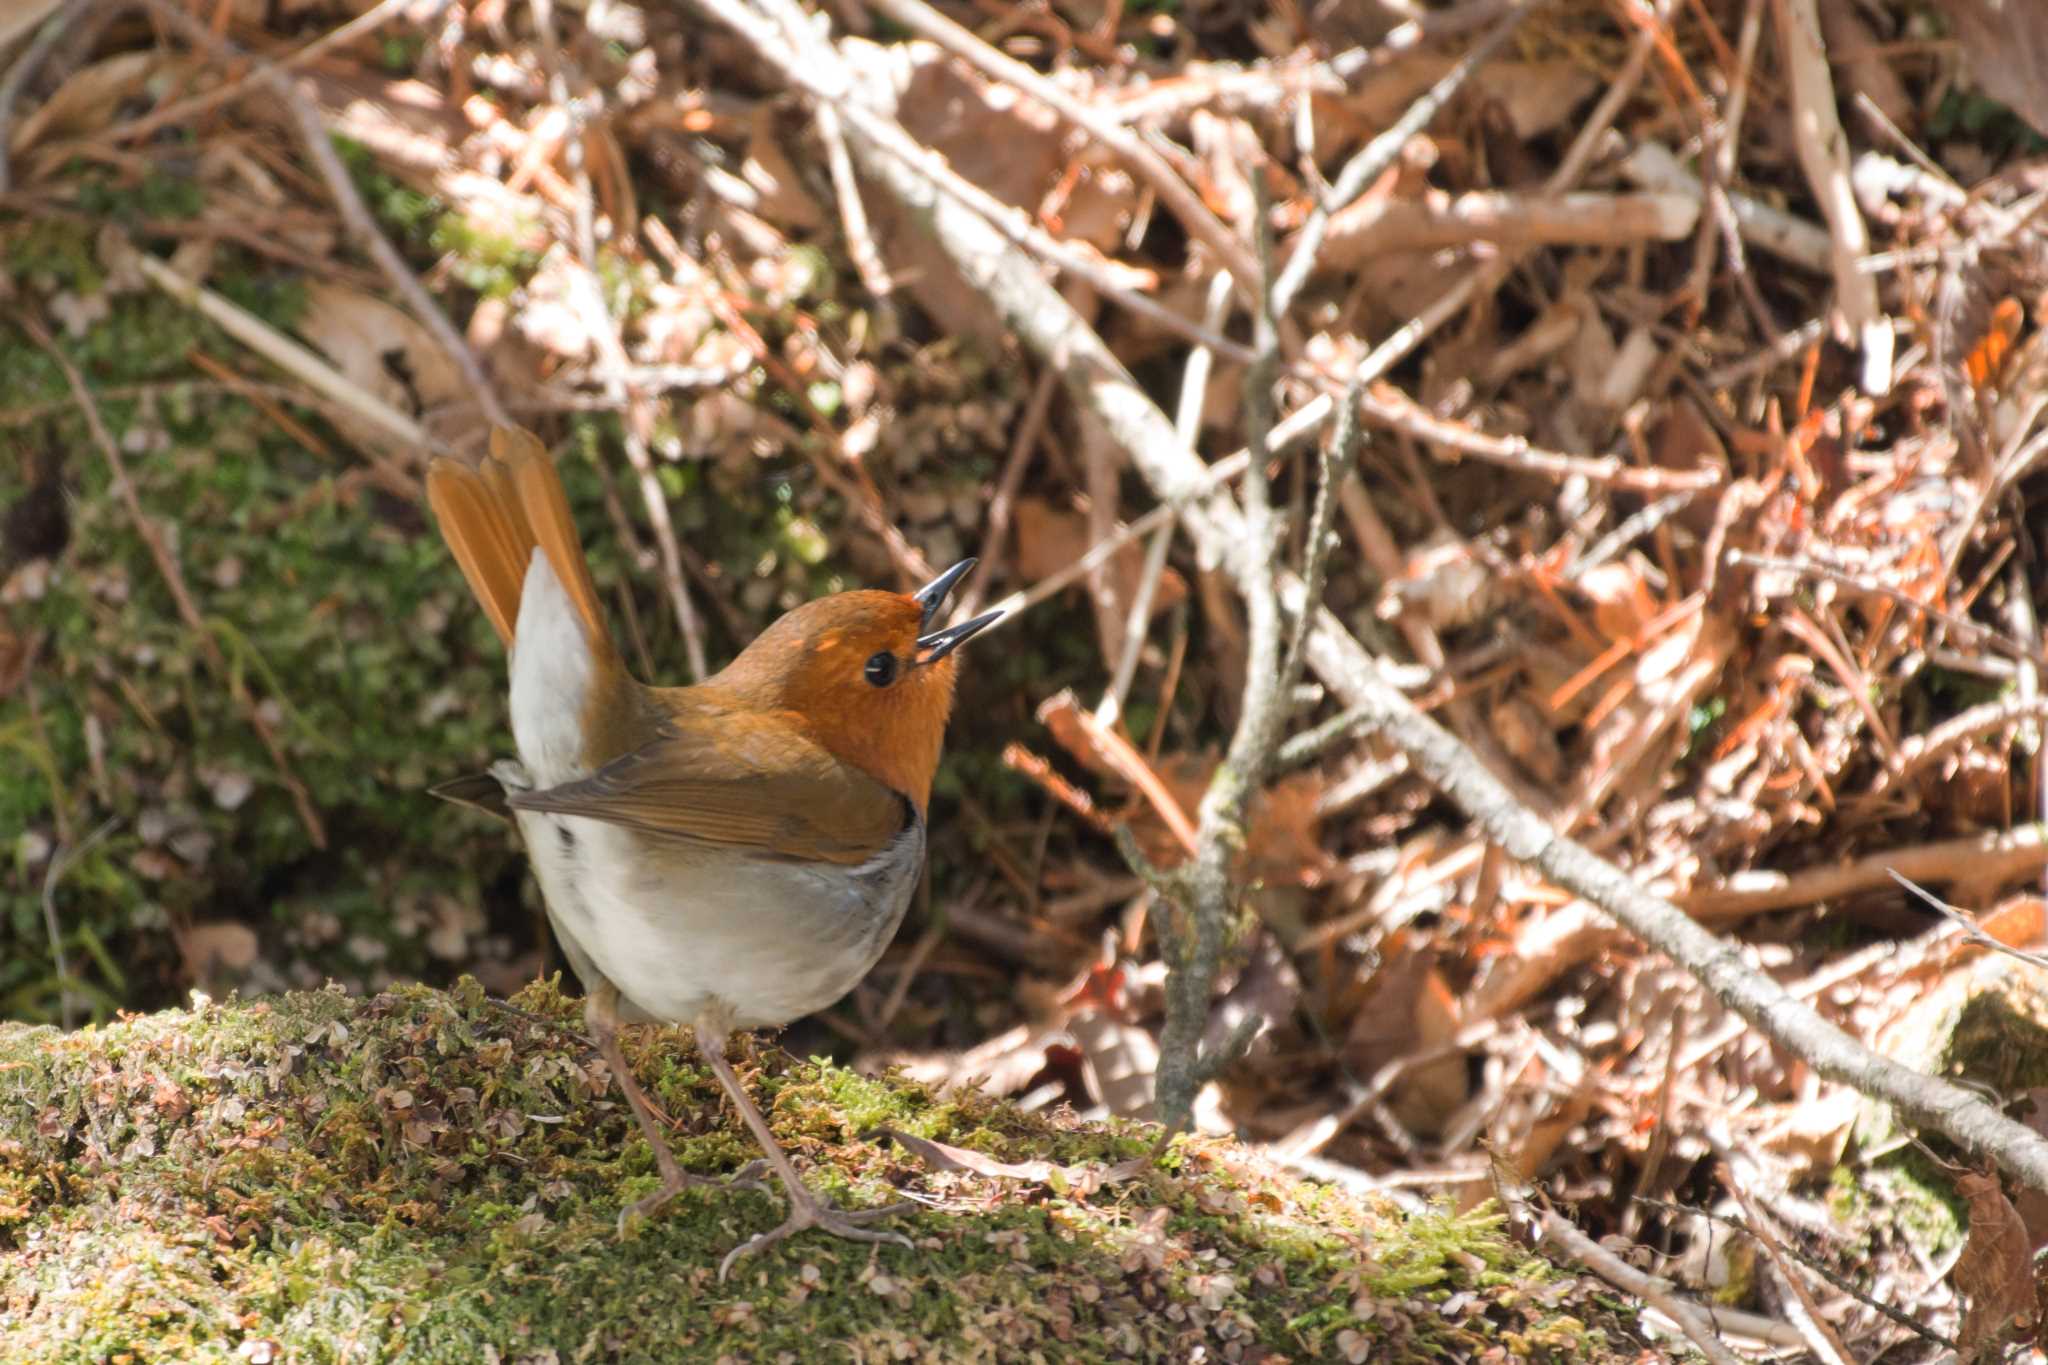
[(867, 675)]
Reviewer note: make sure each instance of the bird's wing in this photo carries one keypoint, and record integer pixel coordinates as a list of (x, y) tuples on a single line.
[(739, 781)]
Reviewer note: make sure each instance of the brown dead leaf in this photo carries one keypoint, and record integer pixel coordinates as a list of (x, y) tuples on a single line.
[(1095, 206), (1433, 1091), (1622, 604), (213, 948), (1995, 1271), (1445, 581), (86, 101), (1525, 733), (1409, 1009), (1050, 538), (1537, 97), (1119, 1061), (769, 170), (2005, 43), (1812, 1134), (2021, 922), (381, 350)]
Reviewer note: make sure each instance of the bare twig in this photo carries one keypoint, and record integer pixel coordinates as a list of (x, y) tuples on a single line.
[(366, 22), (1791, 239), (1194, 390), (1002, 503), (1392, 408), (1823, 149), (1380, 153), (1099, 124), (1691, 1319), (1340, 456), (639, 416), (1375, 227), (1098, 554), (1968, 926), (355, 215), (1996, 856), (285, 353), (1200, 897), (860, 239)]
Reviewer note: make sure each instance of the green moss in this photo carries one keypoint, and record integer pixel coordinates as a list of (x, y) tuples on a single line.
[(430, 1176), (1999, 1040), (335, 612)]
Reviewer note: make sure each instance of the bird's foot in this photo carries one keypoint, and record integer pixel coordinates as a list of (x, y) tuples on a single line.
[(807, 1210), (674, 1182)]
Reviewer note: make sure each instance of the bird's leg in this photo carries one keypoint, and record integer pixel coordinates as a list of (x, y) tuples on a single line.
[(601, 1015), (806, 1210)]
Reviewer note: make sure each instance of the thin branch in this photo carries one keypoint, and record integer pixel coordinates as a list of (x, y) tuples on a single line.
[(1993, 857), (263, 73), (1394, 409), (1194, 391), (1969, 927), (1691, 1319), (1014, 606), (1380, 153), (1002, 503), (1102, 125), (1196, 925), (280, 350), (1340, 457)]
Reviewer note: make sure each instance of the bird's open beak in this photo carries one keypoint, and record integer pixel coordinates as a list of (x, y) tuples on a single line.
[(932, 595), (936, 646), (939, 643)]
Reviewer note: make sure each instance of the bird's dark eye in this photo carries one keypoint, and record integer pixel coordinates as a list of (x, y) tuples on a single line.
[(881, 669)]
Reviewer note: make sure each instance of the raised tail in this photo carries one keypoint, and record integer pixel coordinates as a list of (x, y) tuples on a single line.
[(495, 515)]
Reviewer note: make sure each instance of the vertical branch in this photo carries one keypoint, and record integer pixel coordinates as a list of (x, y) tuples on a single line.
[(1195, 929)]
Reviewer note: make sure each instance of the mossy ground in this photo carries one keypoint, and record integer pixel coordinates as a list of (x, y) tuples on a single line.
[(437, 1176)]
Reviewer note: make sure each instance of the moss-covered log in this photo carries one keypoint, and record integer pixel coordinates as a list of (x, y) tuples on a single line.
[(437, 1176)]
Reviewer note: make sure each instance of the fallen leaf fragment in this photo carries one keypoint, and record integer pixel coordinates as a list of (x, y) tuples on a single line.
[(941, 1156)]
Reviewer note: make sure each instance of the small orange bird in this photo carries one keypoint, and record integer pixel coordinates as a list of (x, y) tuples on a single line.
[(730, 855)]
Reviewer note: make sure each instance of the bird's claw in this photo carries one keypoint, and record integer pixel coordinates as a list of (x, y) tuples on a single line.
[(747, 1177), (807, 1210)]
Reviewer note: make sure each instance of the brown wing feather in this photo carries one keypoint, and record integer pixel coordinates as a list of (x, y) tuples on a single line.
[(753, 782)]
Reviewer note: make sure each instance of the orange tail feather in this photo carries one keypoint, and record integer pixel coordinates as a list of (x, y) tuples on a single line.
[(494, 517)]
